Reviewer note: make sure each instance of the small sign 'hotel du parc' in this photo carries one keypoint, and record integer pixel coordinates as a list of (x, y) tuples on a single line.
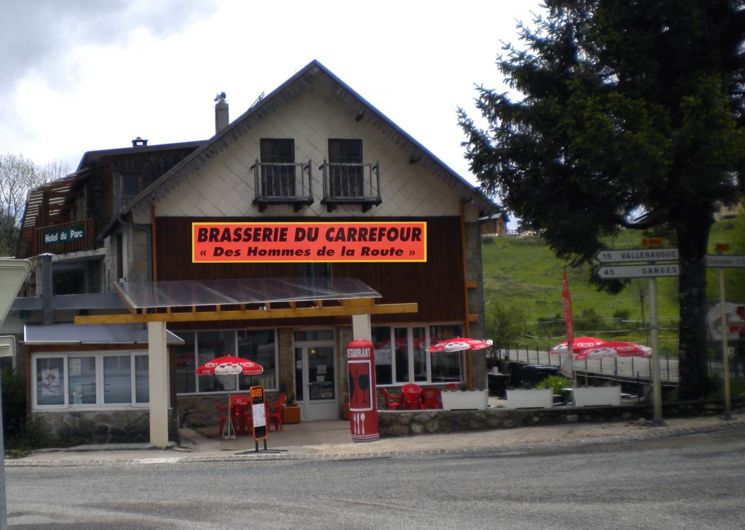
[(64, 234), (272, 242)]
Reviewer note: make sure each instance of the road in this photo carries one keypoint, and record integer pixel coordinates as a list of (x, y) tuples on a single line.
[(685, 481)]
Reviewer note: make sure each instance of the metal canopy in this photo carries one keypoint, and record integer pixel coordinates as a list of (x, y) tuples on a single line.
[(243, 291), (93, 334)]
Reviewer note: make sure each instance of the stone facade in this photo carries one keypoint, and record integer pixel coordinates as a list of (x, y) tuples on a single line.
[(98, 427)]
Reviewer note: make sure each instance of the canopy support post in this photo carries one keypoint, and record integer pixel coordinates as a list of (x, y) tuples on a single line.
[(158, 383)]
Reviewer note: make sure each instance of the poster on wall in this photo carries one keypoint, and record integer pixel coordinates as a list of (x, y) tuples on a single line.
[(50, 384), (327, 242)]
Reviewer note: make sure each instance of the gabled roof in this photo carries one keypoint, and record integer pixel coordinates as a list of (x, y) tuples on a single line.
[(284, 92)]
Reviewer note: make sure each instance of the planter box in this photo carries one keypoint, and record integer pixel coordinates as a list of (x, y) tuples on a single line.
[(291, 414), (465, 399), (530, 399), (597, 396)]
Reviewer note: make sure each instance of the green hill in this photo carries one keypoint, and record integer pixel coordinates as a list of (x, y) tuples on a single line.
[(522, 281)]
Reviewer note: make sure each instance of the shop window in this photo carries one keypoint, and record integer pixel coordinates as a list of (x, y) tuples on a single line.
[(381, 338), (81, 380), (117, 379), (50, 377), (142, 379), (201, 346), (258, 346), (401, 355), (90, 380), (401, 347), (186, 379), (446, 367), (211, 344), (419, 353)]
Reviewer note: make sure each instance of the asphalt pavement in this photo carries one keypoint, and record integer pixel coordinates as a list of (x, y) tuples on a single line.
[(323, 440)]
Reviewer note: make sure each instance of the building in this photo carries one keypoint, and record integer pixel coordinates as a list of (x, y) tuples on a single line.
[(310, 220)]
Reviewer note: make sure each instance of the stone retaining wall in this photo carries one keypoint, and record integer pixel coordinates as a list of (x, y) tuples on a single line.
[(405, 423)]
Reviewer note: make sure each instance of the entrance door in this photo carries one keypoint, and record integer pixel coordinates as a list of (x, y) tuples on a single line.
[(315, 385)]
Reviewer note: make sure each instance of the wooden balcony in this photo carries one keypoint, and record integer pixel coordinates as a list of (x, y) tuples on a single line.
[(73, 236), (283, 183), (351, 184)]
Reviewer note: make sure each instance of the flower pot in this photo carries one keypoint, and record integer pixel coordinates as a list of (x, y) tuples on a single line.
[(530, 398), (291, 414), (464, 399)]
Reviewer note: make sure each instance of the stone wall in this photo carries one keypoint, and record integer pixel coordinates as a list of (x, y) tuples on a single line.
[(98, 427), (405, 423)]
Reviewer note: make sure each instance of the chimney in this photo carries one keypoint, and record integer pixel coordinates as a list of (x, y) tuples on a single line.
[(221, 112)]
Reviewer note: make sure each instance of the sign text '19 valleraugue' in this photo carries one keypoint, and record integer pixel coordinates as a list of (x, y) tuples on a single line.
[(231, 242)]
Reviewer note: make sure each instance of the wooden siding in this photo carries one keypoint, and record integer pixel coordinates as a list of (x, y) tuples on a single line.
[(437, 285)]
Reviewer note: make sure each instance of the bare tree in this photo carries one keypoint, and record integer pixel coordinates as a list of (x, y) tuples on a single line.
[(18, 176)]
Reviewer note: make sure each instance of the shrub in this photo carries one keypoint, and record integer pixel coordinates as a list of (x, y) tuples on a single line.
[(555, 382)]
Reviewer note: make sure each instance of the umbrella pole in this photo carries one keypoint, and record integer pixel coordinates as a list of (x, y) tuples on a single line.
[(229, 422)]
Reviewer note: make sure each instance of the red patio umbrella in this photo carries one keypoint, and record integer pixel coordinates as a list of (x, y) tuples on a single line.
[(579, 345), (615, 349), (460, 344), (229, 365)]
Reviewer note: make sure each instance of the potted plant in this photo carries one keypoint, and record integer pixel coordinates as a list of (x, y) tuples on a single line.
[(291, 410)]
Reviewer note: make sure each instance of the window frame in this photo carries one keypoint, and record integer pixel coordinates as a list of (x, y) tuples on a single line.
[(411, 353), (99, 380), (235, 331)]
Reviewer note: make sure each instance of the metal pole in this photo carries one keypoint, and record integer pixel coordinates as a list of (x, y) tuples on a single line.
[(656, 387), (725, 348), (3, 504)]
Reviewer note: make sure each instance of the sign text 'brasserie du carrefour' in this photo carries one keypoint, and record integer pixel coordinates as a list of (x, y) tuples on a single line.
[(231, 242)]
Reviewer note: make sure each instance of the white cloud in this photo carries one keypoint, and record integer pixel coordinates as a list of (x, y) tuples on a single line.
[(105, 75)]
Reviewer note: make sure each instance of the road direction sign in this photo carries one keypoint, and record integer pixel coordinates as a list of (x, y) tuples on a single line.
[(621, 272), (636, 255), (725, 262)]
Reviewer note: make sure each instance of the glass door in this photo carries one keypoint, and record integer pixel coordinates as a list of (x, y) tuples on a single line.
[(315, 384)]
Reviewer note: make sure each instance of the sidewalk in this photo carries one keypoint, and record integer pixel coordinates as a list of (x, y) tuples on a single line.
[(324, 440)]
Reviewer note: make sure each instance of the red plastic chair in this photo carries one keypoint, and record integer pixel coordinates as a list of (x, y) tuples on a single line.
[(239, 411), (390, 401), (431, 398), (222, 414), (274, 412), (412, 396)]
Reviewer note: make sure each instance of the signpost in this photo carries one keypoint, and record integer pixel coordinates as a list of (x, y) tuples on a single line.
[(637, 271), (722, 262), (647, 263)]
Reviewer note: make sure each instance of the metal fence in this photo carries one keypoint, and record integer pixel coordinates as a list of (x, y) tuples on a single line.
[(621, 368)]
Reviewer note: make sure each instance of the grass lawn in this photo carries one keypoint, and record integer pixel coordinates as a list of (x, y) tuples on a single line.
[(523, 277)]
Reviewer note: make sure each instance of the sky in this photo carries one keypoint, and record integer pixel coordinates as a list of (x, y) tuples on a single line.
[(82, 75)]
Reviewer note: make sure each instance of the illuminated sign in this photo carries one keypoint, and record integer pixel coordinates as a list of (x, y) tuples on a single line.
[(328, 242)]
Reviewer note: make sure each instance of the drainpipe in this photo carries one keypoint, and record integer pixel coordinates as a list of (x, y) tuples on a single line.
[(47, 288)]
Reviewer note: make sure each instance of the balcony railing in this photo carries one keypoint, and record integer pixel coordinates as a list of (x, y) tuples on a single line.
[(351, 184), (62, 238), (283, 183)]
